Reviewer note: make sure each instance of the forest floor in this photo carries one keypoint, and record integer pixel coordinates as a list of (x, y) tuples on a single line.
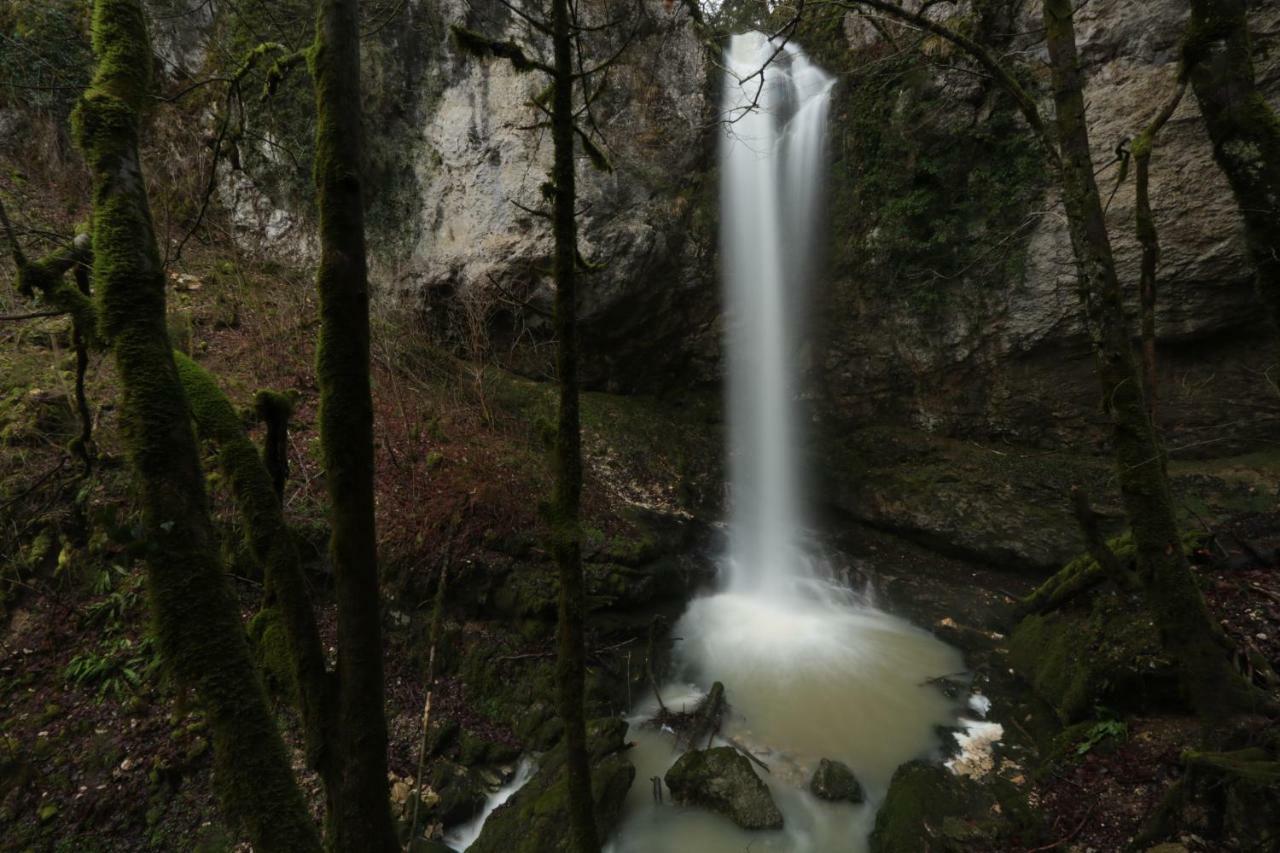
[(1096, 784), (98, 750)]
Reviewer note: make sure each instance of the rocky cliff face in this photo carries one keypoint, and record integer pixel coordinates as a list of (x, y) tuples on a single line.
[(978, 335), (478, 260), (950, 304)]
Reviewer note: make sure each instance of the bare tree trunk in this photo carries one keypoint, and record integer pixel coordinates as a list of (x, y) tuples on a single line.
[(566, 502), (360, 814), (195, 616), (83, 444), (1149, 239), (1208, 678), (1244, 129)]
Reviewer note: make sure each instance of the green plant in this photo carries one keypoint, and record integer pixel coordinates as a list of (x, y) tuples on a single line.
[(117, 667), (1104, 729), (115, 602)]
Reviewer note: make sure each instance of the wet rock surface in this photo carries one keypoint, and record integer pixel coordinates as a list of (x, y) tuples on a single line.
[(722, 780), (834, 781), (929, 808), (536, 818)]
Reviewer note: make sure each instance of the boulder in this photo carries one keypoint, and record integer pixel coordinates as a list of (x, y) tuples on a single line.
[(834, 781), (475, 750), (723, 781), (462, 793), (536, 818), (1100, 649), (930, 808)]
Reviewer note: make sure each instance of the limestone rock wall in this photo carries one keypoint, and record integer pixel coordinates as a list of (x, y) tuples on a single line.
[(966, 345)]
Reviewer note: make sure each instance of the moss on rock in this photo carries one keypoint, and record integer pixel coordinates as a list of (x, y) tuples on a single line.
[(929, 808), (722, 780), (534, 820), (1108, 653)]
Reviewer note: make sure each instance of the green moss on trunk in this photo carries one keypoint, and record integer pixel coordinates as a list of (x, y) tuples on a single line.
[(1211, 685), (360, 813), (1243, 127), (273, 547), (195, 616)]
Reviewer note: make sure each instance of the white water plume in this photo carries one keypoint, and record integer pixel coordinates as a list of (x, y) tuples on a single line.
[(773, 167), (811, 669)]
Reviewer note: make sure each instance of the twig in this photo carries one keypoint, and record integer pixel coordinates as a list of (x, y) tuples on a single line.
[(437, 610), (34, 315), (733, 742)]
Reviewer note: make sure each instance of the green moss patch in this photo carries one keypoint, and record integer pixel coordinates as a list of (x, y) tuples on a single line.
[(1107, 653)]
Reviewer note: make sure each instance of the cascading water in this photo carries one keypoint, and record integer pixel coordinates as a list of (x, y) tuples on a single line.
[(772, 168), (811, 669)]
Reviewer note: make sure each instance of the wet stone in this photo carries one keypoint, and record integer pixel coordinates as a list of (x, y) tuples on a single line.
[(834, 781)]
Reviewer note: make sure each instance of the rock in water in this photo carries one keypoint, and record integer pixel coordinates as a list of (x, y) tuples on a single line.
[(722, 780), (833, 780)]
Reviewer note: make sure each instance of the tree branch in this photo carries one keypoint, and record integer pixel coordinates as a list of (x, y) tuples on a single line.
[(1026, 104)]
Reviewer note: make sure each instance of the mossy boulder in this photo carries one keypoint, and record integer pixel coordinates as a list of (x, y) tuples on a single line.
[(536, 818), (723, 781), (475, 750), (461, 793), (1105, 652), (930, 808), (834, 781), (1245, 785)]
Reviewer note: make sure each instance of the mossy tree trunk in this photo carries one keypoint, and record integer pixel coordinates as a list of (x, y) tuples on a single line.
[(566, 502), (273, 546), (359, 812), (1209, 680), (1244, 129), (195, 615)]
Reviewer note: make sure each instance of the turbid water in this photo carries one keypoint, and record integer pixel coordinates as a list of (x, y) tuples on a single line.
[(812, 670), (837, 679)]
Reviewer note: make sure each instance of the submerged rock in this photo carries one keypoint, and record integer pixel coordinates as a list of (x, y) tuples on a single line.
[(722, 780), (536, 818), (833, 780)]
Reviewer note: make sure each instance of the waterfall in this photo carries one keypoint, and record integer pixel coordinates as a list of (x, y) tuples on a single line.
[(810, 668), (772, 162)]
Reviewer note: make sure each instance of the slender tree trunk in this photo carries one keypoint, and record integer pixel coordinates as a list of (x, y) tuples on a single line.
[(195, 616), (566, 502), (360, 814), (80, 339), (1244, 129), (1210, 682), (1149, 238)]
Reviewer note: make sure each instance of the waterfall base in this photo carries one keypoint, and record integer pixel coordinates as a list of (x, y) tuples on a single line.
[(806, 679)]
